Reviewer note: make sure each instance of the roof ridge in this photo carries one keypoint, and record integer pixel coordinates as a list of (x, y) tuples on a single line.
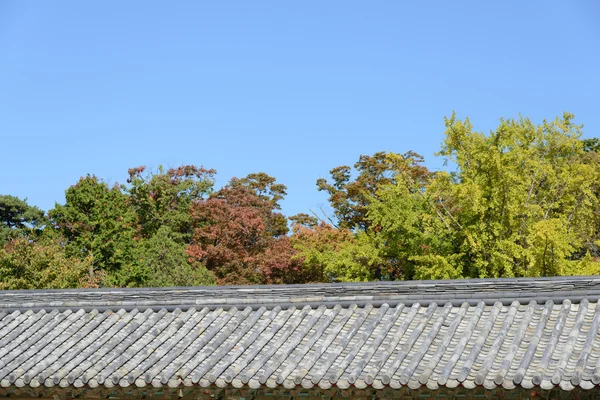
[(456, 292)]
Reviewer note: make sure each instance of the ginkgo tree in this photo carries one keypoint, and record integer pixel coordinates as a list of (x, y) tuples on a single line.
[(522, 200)]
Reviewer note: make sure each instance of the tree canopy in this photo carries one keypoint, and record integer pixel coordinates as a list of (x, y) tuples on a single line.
[(521, 200)]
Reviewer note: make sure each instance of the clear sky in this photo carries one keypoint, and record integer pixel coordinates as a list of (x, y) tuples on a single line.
[(292, 89)]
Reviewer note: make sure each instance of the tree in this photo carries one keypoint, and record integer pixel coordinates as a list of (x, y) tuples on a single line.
[(165, 262), (350, 197), (19, 219), (163, 198), (522, 200), (264, 186), (410, 235), (404, 240), (97, 222), (591, 144), (30, 265), (303, 219), (280, 265), (331, 254), (235, 227), (385, 205), (136, 235), (591, 243)]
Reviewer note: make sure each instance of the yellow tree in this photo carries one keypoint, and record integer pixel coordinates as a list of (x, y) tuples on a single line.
[(522, 201)]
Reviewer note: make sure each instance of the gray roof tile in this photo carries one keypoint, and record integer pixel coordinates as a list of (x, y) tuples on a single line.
[(551, 342)]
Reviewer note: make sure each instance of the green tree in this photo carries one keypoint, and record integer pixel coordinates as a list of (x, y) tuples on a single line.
[(591, 144), (97, 222), (164, 198), (411, 235), (264, 186), (523, 201), (591, 243), (331, 254), (136, 235), (164, 262), (303, 219), (19, 219), (383, 223), (406, 239)]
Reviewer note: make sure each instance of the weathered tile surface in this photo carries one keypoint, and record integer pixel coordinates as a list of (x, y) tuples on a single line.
[(378, 341)]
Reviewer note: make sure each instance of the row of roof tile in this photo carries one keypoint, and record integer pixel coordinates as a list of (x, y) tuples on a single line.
[(548, 344)]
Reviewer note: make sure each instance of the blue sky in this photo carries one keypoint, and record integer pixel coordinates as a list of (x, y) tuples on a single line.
[(292, 89)]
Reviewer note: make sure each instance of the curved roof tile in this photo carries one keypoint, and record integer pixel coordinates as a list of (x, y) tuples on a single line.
[(352, 336)]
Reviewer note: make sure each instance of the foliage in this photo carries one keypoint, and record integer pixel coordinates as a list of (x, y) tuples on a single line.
[(165, 263), (29, 265), (18, 219), (522, 199), (413, 239), (164, 198), (355, 261), (97, 222), (331, 254), (136, 235), (591, 145), (303, 219), (350, 197), (316, 246), (235, 227), (264, 186), (404, 240), (586, 266), (279, 264)]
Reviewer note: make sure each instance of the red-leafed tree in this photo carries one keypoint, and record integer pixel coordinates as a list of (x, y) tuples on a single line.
[(240, 236), (279, 263)]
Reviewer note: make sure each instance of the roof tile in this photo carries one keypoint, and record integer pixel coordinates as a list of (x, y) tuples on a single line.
[(309, 341)]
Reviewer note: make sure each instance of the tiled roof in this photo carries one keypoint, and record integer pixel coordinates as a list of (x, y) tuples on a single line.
[(513, 333)]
